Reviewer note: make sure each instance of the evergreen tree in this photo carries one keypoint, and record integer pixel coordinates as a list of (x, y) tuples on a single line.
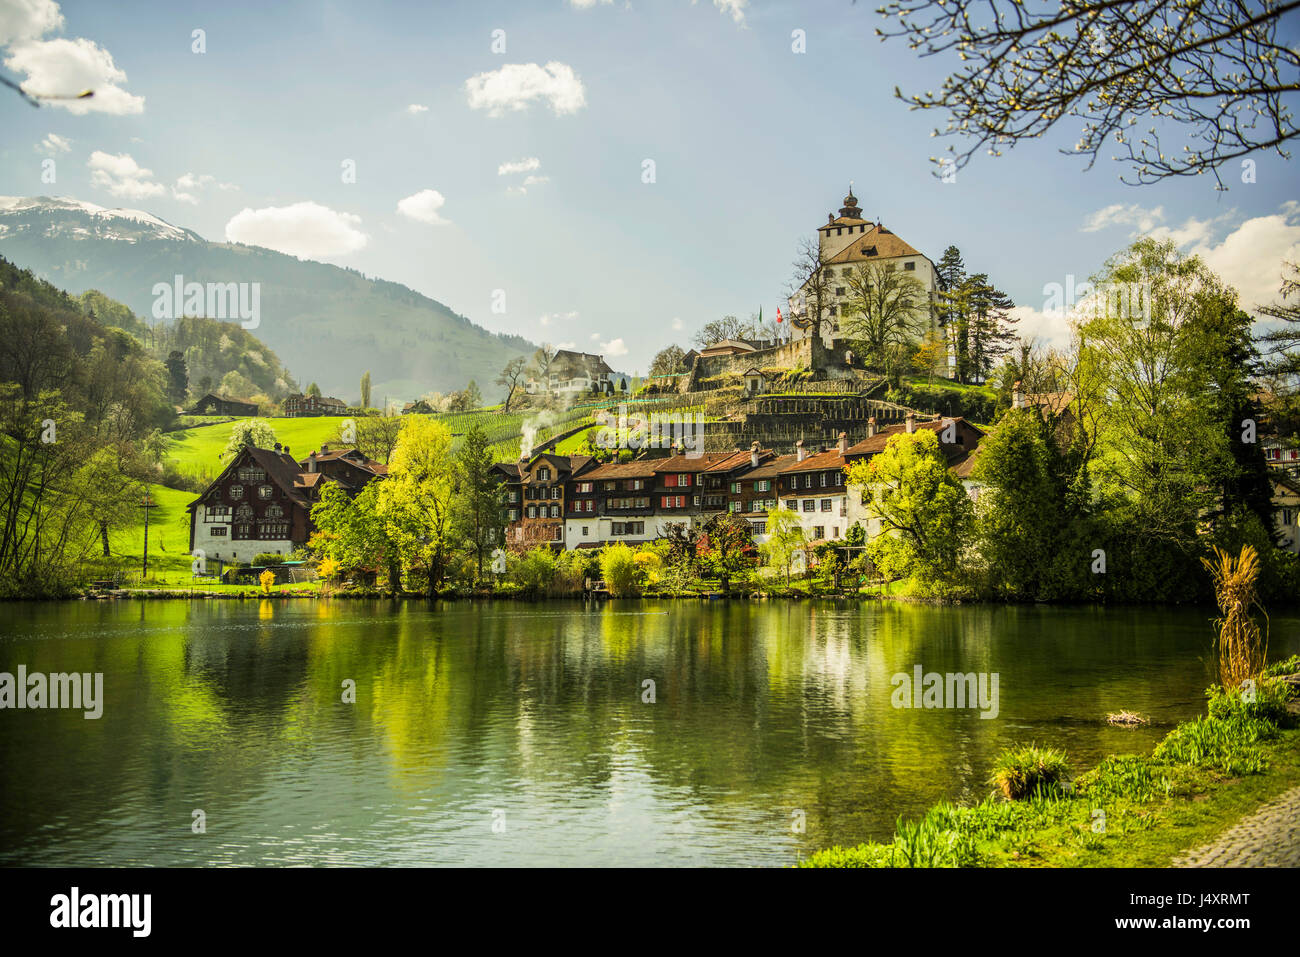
[(178, 379), (478, 516), (988, 325), (365, 390)]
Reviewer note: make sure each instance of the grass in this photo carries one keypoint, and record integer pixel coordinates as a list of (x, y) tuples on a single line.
[(196, 451), (1129, 811)]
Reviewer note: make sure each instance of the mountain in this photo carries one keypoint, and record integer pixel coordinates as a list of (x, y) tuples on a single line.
[(327, 323)]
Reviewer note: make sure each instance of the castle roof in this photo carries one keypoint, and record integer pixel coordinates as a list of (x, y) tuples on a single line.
[(877, 243)]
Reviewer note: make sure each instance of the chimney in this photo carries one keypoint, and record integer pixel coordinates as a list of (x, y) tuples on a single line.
[(844, 442), (871, 426), (311, 462), (799, 453), (911, 422), (286, 450), (1017, 397), (277, 446), (753, 455)]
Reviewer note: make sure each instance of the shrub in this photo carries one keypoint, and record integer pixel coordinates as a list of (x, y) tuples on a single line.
[(1230, 745), (1287, 667), (618, 568), (942, 838), (267, 578), (1027, 770), (1119, 776), (535, 572), (1268, 702), (268, 558)]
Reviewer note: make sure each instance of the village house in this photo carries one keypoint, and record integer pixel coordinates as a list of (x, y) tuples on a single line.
[(573, 372), (1286, 510), (261, 502), (303, 406), (611, 503), (535, 488), (814, 487), (213, 404)]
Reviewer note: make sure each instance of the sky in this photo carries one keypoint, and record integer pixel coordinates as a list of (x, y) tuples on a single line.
[(606, 176)]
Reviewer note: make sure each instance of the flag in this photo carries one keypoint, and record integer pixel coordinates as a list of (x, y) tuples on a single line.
[(778, 313)]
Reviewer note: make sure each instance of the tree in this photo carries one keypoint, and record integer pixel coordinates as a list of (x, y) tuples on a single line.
[(950, 307), (668, 361), (353, 534), (365, 390), (480, 499), (728, 327), (417, 498), (619, 569), (785, 537), (810, 286), (540, 366), (1164, 451), (924, 512), (178, 379), (931, 353), (249, 432), (376, 436), (884, 313), (989, 335), (1215, 72), (725, 541), (511, 376), (314, 389), (1280, 345)]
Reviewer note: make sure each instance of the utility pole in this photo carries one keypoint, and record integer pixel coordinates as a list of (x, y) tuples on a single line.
[(146, 505)]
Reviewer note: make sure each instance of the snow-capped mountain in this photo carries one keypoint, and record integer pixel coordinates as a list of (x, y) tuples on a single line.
[(63, 217)]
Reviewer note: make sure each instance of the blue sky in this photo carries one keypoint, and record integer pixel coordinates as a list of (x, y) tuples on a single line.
[(752, 143)]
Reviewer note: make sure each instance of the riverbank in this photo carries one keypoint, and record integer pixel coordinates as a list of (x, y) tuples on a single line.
[(1203, 779)]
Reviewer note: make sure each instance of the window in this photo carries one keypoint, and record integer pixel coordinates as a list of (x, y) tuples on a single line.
[(584, 487), (683, 480), (636, 485), (819, 531), (244, 513), (835, 531), (825, 480), (555, 492), (555, 511), (236, 492), (826, 505), (532, 511), (242, 531), (217, 530), (809, 504), (274, 511), (559, 532), (272, 530), (807, 480), (591, 506), (839, 290), (735, 507), (674, 501), (512, 514), (763, 485), (251, 474), (584, 531), (617, 528), (543, 474), (636, 528), (264, 492), (514, 495), (909, 266), (848, 271), (735, 488), (759, 528), (831, 311), (889, 267), (216, 513)]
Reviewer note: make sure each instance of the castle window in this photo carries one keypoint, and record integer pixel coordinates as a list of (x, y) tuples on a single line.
[(909, 266), (236, 492)]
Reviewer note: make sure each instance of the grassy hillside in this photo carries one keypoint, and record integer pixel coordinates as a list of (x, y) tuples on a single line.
[(195, 451)]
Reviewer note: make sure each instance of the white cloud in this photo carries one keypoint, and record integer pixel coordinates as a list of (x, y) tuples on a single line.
[(1050, 327), (535, 180), (677, 324), (54, 143), (415, 108), (595, 336), (550, 317), (1250, 257), (615, 347), (28, 20), (306, 230), (423, 207), (1124, 214), (123, 176), (516, 85), (190, 183), (66, 67), (519, 166), (734, 7), (566, 345), (588, 4)]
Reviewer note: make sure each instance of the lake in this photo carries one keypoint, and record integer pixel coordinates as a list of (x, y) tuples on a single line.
[(507, 733)]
